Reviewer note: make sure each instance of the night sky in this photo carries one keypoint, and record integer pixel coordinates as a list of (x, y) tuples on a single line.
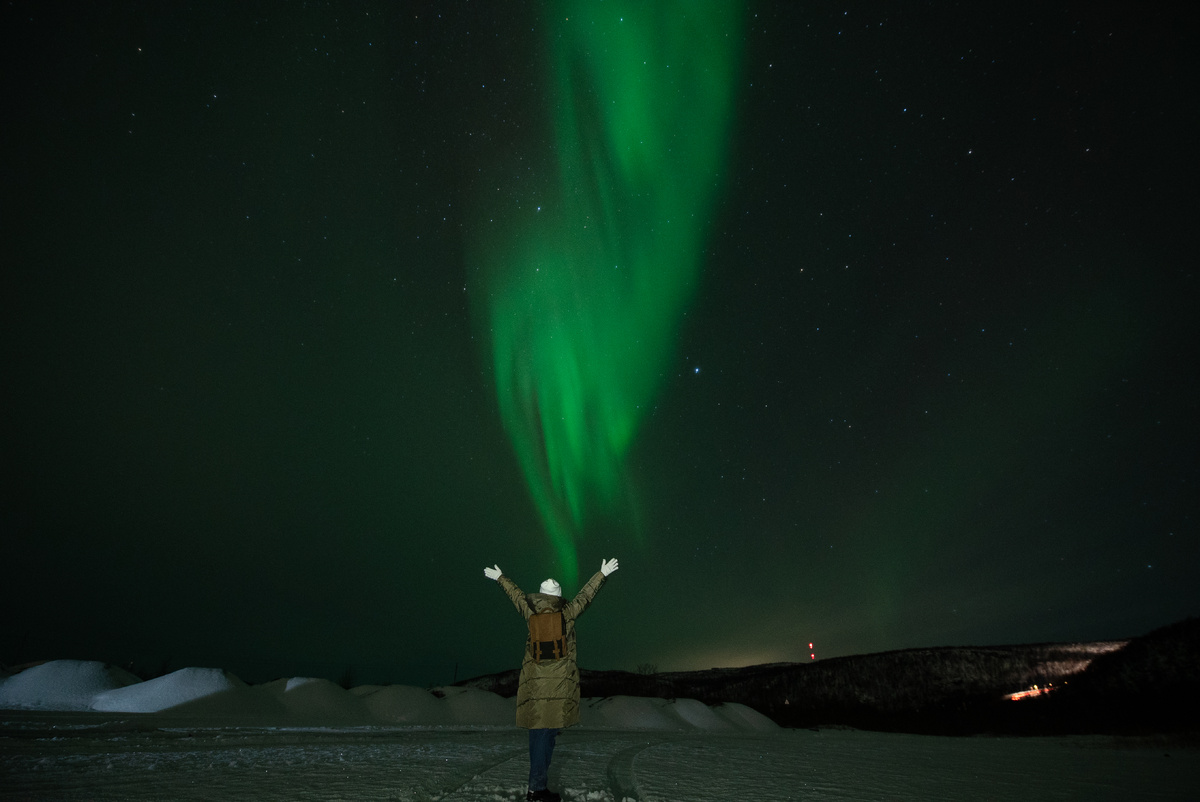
[(870, 327)]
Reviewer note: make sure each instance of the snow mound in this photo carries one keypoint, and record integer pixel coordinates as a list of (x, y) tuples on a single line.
[(744, 718), (648, 713), (297, 682), (62, 685), (178, 687), (319, 700), (402, 704), (697, 715), (211, 693), (629, 713), (248, 704), (473, 706)]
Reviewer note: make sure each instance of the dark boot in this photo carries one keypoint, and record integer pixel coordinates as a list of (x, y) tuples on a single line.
[(544, 795)]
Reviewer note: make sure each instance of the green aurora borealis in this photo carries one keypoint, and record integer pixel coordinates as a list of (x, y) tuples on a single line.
[(871, 326), (585, 291)]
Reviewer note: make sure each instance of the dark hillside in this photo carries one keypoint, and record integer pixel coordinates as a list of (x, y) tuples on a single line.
[(1107, 686), (1151, 685)]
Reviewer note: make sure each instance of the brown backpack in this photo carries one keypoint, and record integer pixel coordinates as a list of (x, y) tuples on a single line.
[(546, 641)]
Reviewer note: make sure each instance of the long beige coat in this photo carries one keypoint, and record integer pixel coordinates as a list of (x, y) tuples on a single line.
[(548, 693)]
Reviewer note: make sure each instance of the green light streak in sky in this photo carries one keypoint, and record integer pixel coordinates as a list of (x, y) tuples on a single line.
[(585, 295)]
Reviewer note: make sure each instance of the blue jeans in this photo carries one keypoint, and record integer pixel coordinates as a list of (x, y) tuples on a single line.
[(541, 748)]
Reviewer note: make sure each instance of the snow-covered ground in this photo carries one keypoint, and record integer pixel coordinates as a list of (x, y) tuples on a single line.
[(74, 732)]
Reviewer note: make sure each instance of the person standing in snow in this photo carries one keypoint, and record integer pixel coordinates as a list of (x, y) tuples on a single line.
[(548, 691)]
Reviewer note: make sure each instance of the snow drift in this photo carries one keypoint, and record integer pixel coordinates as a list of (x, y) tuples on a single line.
[(165, 692), (211, 693), (62, 685)]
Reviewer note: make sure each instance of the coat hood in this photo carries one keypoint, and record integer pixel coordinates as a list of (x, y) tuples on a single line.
[(545, 603)]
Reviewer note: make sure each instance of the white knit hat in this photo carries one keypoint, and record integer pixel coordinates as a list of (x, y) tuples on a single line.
[(551, 588)]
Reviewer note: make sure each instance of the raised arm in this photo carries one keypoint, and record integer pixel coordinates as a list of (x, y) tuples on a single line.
[(588, 592), (515, 595)]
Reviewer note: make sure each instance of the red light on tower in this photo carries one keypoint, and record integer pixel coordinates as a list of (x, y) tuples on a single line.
[(812, 654)]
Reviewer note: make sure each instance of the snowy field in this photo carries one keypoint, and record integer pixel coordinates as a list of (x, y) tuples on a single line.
[(73, 760), (201, 734)]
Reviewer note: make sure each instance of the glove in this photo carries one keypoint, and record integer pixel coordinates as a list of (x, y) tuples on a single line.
[(608, 566), (492, 573)]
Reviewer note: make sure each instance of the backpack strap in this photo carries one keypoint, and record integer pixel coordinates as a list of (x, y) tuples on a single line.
[(546, 641)]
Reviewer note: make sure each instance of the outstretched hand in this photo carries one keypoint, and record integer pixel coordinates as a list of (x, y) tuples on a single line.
[(608, 566), (493, 572)]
